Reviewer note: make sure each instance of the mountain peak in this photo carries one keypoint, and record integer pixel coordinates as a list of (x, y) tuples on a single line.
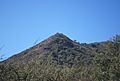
[(57, 38), (59, 34)]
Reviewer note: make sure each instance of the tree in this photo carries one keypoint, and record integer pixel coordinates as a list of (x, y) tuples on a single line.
[(116, 39), (107, 65)]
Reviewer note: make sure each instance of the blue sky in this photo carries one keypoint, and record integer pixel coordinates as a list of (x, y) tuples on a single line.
[(22, 22)]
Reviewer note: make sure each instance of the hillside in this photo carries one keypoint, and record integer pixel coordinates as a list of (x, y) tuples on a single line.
[(58, 58)]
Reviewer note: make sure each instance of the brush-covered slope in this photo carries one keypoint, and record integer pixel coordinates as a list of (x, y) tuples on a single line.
[(59, 47), (57, 58)]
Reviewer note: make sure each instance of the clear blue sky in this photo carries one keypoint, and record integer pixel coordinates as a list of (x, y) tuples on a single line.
[(22, 22)]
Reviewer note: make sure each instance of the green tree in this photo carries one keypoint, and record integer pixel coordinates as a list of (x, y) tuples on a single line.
[(107, 65)]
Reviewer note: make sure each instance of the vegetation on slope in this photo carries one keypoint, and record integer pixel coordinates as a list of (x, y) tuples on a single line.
[(61, 59)]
